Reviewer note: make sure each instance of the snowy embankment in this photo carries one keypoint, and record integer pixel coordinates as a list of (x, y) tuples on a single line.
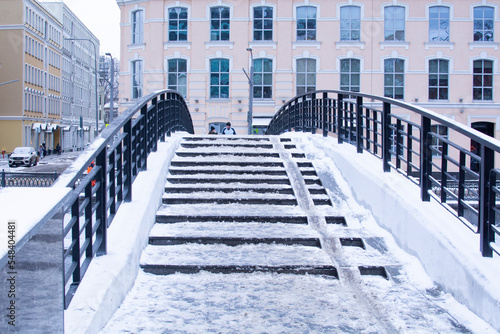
[(447, 249), (110, 277)]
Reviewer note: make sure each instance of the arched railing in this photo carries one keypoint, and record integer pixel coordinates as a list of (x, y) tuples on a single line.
[(431, 150)]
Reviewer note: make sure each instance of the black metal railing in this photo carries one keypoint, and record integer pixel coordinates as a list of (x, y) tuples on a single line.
[(432, 151), (24, 179), (118, 154)]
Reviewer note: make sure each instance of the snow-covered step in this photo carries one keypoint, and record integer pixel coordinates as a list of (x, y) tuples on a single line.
[(225, 178), (227, 170), (229, 154), (218, 144), (245, 162), (227, 138), (225, 198), (232, 187), (191, 258)]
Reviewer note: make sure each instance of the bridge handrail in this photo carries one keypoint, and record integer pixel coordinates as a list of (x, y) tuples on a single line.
[(413, 149), (118, 154)]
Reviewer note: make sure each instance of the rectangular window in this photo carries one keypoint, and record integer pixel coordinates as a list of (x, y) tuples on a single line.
[(394, 23), (219, 24), (482, 89), (350, 75), (177, 75), (137, 27), (177, 24), (136, 79), (483, 24), (439, 24), (350, 23), (306, 76), (306, 23), (263, 78), (437, 144), (394, 78), (219, 78), (263, 24), (438, 79)]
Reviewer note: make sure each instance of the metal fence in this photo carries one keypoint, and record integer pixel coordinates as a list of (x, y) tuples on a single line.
[(23, 179), (431, 150), (117, 155)]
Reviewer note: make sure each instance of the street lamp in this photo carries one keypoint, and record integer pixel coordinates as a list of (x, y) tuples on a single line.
[(95, 68), (250, 98), (112, 89)]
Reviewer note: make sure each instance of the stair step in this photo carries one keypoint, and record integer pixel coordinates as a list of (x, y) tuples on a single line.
[(322, 201), (192, 171), (231, 189), (243, 180), (242, 163), (169, 240), (227, 144), (193, 254), (226, 138), (230, 200), (236, 154), (295, 270), (166, 219)]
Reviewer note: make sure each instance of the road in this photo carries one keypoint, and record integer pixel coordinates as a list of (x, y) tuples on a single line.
[(48, 164)]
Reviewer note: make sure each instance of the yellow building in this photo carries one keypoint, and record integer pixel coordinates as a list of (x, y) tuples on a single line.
[(30, 73)]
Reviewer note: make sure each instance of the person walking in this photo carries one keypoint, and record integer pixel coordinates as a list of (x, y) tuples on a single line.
[(228, 130), (40, 152), (212, 131)]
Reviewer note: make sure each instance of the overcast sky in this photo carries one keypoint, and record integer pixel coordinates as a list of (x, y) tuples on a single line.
[(102, 17)]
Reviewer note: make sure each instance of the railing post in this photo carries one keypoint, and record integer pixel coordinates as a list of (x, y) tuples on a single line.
[(425, 160), (359, 125), (486, 233), (3, 178), (386, 138), (127, 160), (101, 197), (161, 118), (340, 106), (154, 126), (325, 114), (444, 172), (143, 139)]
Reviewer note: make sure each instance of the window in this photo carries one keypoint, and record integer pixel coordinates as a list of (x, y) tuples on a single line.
[(177, 75), (439, 24), (349, 75), (306, 76), (177, 24), (438, 79), (263, 78), (436, 143), (483, 24), (262, 24), (219, 78), (482, 89), (350, 23), (137, 27), (394, 78), (219, 24), (394, 23), (306, 23), (136, 79)]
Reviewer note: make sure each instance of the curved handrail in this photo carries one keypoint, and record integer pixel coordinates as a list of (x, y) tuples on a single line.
[(118, 154), (434, 151)]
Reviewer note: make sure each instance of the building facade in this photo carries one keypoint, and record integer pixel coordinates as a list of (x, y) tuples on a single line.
[(442, 55), (30, 72), (79, 79), (47, 82)]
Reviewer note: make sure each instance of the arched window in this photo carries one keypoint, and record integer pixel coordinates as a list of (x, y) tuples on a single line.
[(263, 78), (219, 78), (306, 23), (137, 27), (177, 24), (219, 24), (394, 78), (137, 69), (306, 75), (177, 75)]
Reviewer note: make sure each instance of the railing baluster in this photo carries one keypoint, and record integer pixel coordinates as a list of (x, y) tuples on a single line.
[(425, 159), (486, 233), (386, 137)]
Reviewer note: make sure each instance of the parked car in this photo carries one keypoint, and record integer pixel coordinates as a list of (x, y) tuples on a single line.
[(23, 156)]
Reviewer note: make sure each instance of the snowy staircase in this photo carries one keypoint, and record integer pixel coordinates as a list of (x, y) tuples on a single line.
[(229, 207)]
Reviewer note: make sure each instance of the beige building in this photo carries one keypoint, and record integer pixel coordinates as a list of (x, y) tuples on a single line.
[(442, 55), (30, 72), (47, 82)]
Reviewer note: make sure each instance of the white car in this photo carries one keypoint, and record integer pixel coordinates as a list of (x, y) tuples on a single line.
[(23, 156)]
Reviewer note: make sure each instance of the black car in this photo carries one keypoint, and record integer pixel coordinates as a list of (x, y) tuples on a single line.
[(24, 156)]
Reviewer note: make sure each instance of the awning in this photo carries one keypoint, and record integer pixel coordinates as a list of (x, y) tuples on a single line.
[(261, 121), (67, 127), (37, 126)]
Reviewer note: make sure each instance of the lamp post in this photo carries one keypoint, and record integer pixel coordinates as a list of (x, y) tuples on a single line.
[(250, 98), (112, 89), (95, 69)]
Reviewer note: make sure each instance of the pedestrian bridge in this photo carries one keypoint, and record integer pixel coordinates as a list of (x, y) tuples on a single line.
[(224, 233)]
